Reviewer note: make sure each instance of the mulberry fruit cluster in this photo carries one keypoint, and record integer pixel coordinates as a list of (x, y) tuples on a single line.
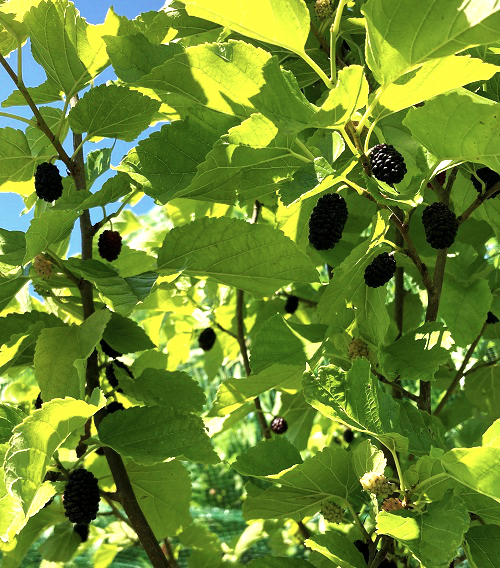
[(348, 435), (48, 182), (392, 504), (488, 177), (279, 425), (377, 484), (387, 164), (109, 245), (491, 318), (81, 497), (82, 531), (332, 512), (323, 9), (108, 350), (440, 225), (327, 221), (43, 267), (357, 348), (380, 271), (206, 339), (291, 305)]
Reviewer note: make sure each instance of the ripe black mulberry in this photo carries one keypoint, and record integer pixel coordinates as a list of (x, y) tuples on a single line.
[(81, 497), (48, 182), (348, 435), (279, 425), (82, 531), (440, 225), (291, 305), (207, 339), (387, 164), (491, 318), (109, 245), (380, 271), (488, 177), (327, 221)]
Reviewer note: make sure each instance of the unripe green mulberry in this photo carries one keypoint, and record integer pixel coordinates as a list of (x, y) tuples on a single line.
[(357, 348), (377, 484), (42, 267), (323, 9), (440, 225), (332, 512), (81, 497)]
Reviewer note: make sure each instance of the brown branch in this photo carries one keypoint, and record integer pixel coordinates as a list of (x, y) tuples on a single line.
[(395, 386), (42, 125), (304, 531), (480, 366), (460, 373), (324, 46), (477, 202), (233, 335), (169, 552)]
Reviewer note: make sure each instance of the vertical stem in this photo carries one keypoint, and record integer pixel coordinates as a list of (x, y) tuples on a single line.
[(334, 32)]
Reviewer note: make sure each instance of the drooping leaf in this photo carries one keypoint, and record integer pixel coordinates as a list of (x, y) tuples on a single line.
[(434, 535), (113, 112), (269, 457), (12, 247), (61, 354), (230, 251), (10, 416), (35, 440), (9, 288), (482, 546), (337, 548), (171, 389), (482, 388), (150, 435), (397, 43), (16, 161), (468, 127), (163, 491), (125, 335), (61, 544)]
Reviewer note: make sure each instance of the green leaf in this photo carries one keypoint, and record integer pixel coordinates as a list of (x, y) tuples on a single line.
[(279, 22), (12, 247), (49, 228), (468, 128), (275, 343), (47, 92), (36, 439), (433, 78), (279, 562), (337, 548), (230, 251), (492, 436), (303, 487), (10, 416), (353, 399), (133, 56), (268, 457), (151, 435), (9, 287), (482, 389), (98, 163), (482, 546), (434, 535), (397, 43), (251, 159), (349, 95), (234, 393), (368, 458), (474, 300), (477, 468), (61, 354), (414, 425), (163, 491), (125, 335), (12, 518), (73, 53), (117, 292), (159, 166), (112, 189), (113, 112), (415, 356), (16, 161), (171, 389), (61, 544)]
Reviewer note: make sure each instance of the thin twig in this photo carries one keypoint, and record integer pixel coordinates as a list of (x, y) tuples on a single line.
[(42, 125), (399, 294), (169, 552), (108, 218), (395, 386), (118, 514), (477, 202), (480, 366), (460, 373), (303, 530)]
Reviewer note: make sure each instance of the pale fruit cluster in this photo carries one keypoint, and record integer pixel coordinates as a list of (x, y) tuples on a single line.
[(377, 484), (357, 348), (43, 267), (392, 504), (332, 512)]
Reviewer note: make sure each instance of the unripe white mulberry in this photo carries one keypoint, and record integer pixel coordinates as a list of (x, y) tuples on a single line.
[(42, 267), (357, 348), (377, 484)]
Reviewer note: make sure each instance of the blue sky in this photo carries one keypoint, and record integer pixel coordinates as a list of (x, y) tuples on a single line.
[(94, 11)]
